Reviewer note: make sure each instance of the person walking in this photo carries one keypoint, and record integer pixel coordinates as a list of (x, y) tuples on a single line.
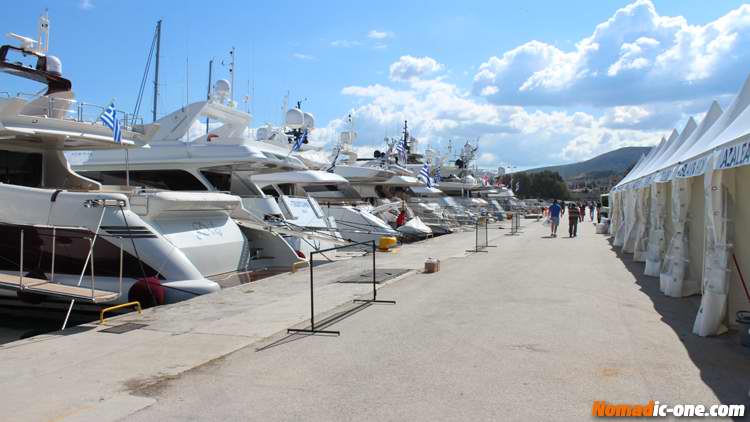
[(554, 217), (591, 211), (573, 218), (598, 212), (581, 212)]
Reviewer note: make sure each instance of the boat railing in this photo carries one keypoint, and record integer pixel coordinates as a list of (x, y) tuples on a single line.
[(79, 111), (34, 284)]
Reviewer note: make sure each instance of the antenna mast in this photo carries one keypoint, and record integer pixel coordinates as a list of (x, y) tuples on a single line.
[(156, 67), (43, 40), (231, 75)]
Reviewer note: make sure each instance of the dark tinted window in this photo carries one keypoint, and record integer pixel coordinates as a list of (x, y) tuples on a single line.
[(270, 191), (155, 179), (21, 168), (220, 181), (321, 188)]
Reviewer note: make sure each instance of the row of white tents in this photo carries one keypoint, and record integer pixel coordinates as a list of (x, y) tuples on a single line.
[(684, 210)]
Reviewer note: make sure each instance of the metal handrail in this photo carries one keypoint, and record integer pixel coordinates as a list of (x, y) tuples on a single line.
[(90, 255)]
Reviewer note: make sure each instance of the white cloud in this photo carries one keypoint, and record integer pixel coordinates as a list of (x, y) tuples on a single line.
[(409, 67), (439, 111), (86, 4), (635, 57), (344, 44), (379, 35), (300, 56)]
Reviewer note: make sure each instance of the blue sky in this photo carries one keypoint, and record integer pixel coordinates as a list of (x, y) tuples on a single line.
[(540, 83)]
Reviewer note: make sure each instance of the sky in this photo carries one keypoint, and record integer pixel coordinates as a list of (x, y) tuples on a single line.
[(534, 83)]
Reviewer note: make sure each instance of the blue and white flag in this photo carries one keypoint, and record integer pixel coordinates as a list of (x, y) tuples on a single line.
[(332, 167), (299, 141), (401, 150), (109, 117), (438, 177), (424, 174)]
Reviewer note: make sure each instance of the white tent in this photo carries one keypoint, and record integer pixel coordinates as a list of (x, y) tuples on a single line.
[(657, 245), (705, 212)]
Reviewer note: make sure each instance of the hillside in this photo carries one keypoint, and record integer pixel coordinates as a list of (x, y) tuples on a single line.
[(602, 166)]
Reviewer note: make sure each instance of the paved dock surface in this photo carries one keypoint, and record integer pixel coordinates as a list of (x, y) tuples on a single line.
[(535, 329)]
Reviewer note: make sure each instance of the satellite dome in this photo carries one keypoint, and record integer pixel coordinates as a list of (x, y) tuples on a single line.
[(309, 120), (54, 65), (222, 88), (295, 118)]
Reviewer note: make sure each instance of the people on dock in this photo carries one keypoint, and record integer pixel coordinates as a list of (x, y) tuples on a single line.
[(581, 212), (574, 214), (554, 217), (591, 211)]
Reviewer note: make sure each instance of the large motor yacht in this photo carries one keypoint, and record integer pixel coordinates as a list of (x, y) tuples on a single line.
[(63, 229)]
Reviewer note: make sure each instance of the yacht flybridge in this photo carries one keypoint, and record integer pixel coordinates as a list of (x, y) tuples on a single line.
[(63, 235), (183, 156)]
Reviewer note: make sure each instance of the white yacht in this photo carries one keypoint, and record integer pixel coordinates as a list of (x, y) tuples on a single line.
[(334, 183), (281, 229), (62, 229)]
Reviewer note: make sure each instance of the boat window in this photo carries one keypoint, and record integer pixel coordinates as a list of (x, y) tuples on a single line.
[(220, 181), (286, 189), (21, 168), (270, 191), (177, 180), (321, 188)]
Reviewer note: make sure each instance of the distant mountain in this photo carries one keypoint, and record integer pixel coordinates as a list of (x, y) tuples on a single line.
[(602, 166)]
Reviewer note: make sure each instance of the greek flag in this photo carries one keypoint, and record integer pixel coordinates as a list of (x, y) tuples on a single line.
[(299, 141), (438, 177), (401, 150), (332, 168), (424, 174), (109, 117)]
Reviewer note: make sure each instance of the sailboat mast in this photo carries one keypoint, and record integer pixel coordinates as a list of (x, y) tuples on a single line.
[(156, 68)]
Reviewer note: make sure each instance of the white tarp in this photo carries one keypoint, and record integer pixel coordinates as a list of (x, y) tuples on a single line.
[(657, 236), (642, 224), (716, 265), (674, 280)]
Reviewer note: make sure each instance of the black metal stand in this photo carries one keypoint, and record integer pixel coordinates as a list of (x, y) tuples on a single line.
[(312, 329), (374, 285), (315, 330), (476, 237)]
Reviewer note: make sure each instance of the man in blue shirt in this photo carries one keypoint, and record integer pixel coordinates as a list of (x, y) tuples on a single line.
[(554, 217)]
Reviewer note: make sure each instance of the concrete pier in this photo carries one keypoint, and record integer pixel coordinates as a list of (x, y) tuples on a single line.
[(534, 329)]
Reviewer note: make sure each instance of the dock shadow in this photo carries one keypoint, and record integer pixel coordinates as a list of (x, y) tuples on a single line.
[(723, 363), (321, 324)]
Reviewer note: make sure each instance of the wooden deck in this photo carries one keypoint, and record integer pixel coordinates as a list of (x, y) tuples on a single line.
[(44, 287)]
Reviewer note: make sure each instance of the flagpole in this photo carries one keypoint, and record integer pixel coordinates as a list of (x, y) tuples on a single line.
[(127, 166)]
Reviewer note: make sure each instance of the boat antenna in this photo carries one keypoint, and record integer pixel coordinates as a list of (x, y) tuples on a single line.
[(231, 75), (144, 79), (208, 92), (43, 40), (156, 68), (283, 108)]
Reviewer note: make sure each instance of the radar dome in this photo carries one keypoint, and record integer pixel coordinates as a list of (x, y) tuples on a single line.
[(309, 121), (222, 88), (295, 118), (54, 65)]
